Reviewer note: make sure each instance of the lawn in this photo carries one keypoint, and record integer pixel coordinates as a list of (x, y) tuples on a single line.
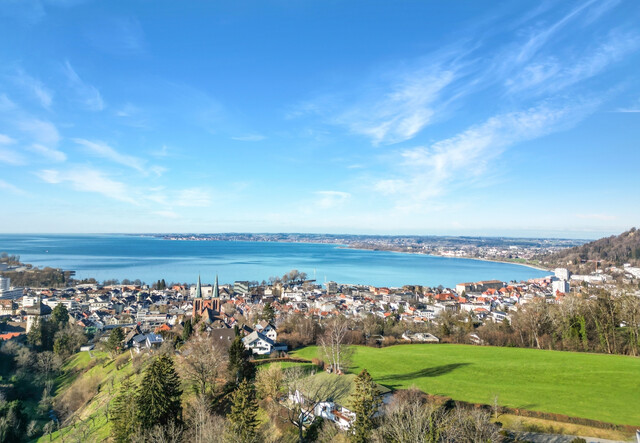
[(595, 386)]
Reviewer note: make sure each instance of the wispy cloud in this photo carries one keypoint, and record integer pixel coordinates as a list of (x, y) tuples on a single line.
[(120, 36), (41, 131), (8, 153), (87, 94), (430, 171), (86, 179), (331, 199), (404, 111), (47, 152), (105, 151), (196, 197), (6, 104), (249, 138), (11, 188), (552, 74), (34, 87)]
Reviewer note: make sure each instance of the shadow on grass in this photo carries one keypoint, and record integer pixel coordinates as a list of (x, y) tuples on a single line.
[(434, 371)]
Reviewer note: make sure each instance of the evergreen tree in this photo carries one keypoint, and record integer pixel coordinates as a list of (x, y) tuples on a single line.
[(365, 404), (268, 313), (240, 367), (60, 315), (158, 399), (243, 416), (187, 330), (115, 340), (123, 413)]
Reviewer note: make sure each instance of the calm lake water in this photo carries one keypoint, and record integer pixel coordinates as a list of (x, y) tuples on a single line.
[(149, 259)]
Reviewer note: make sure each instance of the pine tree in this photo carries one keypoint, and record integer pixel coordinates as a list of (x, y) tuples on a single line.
[(158, 399), (243, 416), (123, 413), (187, 330), (115, 340), (240, 367), (60, 315), (365, 403), (268, 313)]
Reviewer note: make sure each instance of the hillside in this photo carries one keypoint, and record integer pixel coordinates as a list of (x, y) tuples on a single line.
[(614, 250), (570, 383)]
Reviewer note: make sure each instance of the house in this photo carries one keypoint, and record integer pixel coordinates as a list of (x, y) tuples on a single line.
[(422, 337), (147, 342), (260, 344)]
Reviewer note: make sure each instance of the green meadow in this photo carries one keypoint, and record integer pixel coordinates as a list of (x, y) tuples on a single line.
[(595, 386)]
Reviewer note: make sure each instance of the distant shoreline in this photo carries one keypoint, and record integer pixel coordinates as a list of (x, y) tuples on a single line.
[(539, 268)]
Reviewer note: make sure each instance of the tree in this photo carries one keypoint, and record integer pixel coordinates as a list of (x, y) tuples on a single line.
[(202, 362), (334, 346), (307, 391), (268, 313), (158, 398), (240, 367), (116, 337), (365, 403), (187, 330), (409, 419), (243, 416), (123, 413), (60, 315), (269, 382), (202, 425)]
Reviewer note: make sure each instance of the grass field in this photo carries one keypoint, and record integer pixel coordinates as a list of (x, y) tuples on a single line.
[(595, 386)]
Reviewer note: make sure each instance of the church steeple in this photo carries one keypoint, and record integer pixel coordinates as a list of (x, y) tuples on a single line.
[(199, 288), (216, 290)]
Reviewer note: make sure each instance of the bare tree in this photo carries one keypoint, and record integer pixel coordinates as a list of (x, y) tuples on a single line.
[(469, 426), (202, 361), (333, 344), (48, 362), (269, 382), (202, 426), (410, 419), (307, 390)]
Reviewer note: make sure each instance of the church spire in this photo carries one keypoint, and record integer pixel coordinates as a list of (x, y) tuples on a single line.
[(216, 291), (199, 288)]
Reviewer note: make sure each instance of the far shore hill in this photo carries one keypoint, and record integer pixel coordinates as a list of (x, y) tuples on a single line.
[(524, 251)]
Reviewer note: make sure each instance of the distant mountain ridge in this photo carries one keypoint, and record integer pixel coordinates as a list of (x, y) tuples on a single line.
[(614, 250)]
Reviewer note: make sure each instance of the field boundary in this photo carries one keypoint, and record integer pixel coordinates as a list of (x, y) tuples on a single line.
[(560, 418)]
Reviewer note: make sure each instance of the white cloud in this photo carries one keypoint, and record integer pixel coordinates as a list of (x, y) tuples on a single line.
[(9, 155), (331, 199), (34, 87), (41, 131), (431, 171), (49, 153), (11, 188), (6, 140), (6, 104), (86, 93), (195, 197), (86, 179), (249, 138), (105, 151), (403, 111), (552, 75)]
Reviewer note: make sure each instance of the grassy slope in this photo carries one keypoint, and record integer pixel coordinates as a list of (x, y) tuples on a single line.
[(95, 428), (600, 387)]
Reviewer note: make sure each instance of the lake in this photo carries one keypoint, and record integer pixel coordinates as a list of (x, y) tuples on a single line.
[(150, 259)]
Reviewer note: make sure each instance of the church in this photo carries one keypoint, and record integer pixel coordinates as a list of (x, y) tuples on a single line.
[(206, 307)]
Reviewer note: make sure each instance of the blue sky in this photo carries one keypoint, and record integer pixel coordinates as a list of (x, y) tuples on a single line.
[(449, 117)]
